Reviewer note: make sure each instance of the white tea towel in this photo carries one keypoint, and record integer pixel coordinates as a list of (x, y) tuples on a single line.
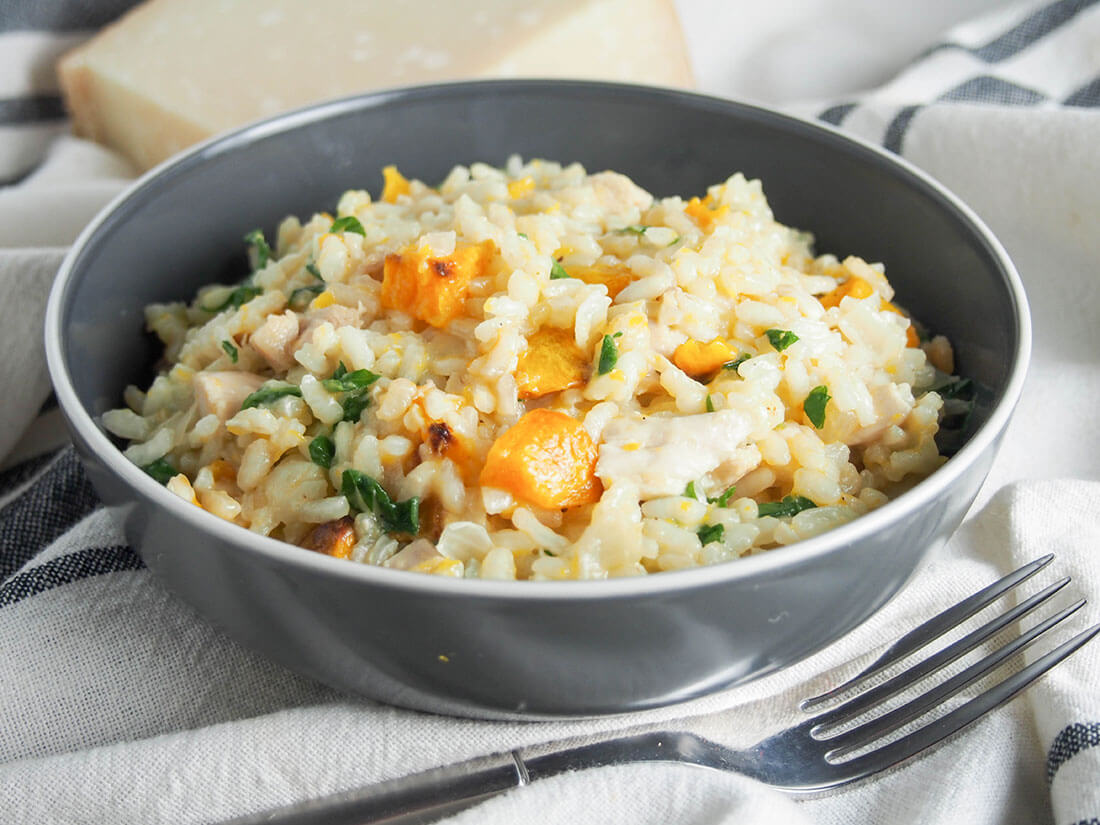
[(117, 703)]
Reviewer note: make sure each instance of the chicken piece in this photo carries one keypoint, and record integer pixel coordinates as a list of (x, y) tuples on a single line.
[(892, 404), (336, 314), (616, 191), (422, 557), (661, 455), (222, 393), (333, 538), (275, 339)]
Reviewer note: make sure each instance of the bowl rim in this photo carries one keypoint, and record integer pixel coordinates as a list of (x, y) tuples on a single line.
[(276, 551)]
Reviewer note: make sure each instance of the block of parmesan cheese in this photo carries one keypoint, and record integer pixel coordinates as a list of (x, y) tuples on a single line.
[(172, 72)]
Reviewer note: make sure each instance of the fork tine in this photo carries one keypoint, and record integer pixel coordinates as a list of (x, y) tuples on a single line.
[(856, 738), (964, 715), (879, 693), (934, 628)]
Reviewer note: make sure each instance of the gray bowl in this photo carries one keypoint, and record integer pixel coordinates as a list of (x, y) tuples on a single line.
[(529, 649)]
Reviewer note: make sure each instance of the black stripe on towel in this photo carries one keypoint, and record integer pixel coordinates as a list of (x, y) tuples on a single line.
[(989, 89), (83, 564), (19, 474), (1028, 31), (31, 109), (59, 15), (836, 114), (1087, 95), (1092, 821), (895, 132), (1069, 742), (55, 502)]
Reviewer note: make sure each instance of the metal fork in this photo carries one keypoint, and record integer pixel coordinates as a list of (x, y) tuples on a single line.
[(805, 758)]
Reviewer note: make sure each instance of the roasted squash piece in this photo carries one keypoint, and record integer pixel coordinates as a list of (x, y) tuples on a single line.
[(704, 213), (551, 362), (333, 538), (394, 184), (547, 459), (699, 360), (852, 288), (432, 289), (615, 277)]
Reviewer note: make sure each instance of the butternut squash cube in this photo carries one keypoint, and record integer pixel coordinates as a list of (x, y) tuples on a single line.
[(432, 289), (551, 362), (548, 459), (699, 360)]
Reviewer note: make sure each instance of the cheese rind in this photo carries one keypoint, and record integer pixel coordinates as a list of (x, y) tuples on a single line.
[(172, 72)]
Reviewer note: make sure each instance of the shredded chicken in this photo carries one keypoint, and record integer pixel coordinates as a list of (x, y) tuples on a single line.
[(337, 315), (275, 338), (614, 190), (892, 404), (661, 455), (222, 393)]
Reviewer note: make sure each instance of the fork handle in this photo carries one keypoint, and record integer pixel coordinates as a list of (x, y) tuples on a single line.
[(408, 800)]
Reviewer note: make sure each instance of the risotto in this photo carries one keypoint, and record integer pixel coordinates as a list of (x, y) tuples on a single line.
[(539, 373)]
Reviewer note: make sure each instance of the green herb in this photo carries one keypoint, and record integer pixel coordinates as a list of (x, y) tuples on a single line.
[(673, 242), (609, 355), (710, 404), (161, 471), (789, 506), (736, 362), (230, 350), (354, 405), (236, 299), (550, 553), (635, 229), (354, 385), (557, 271), (711, 532), (312, 289), (269, 393), (781, 338), (368, 496), (524, 236), (814, 405), (348, 223), (256, 240), (312, 269), (955, 388), (349, 381), (689, 491), (322, 451), (723, 499)]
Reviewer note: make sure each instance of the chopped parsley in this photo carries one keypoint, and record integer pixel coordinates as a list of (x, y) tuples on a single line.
[(269, 393), (256, 240), (634, 229), (710, 403), (609, 354), (354, 385), (236, 299), (711, 532), (348, 223), (781, 338), (814, 405), (230, 350), (789, 506), (161, 471), (322, 450), (550, 553), (312, 269), (312, 289), (557, 271), (368, 496), (689, 491), (736, 362), (524, 236), (724, 499)]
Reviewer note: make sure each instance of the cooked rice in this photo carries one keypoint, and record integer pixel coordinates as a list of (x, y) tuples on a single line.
[(709, 363)]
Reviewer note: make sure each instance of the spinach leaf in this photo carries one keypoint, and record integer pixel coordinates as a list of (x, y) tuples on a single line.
[(368, 496)]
